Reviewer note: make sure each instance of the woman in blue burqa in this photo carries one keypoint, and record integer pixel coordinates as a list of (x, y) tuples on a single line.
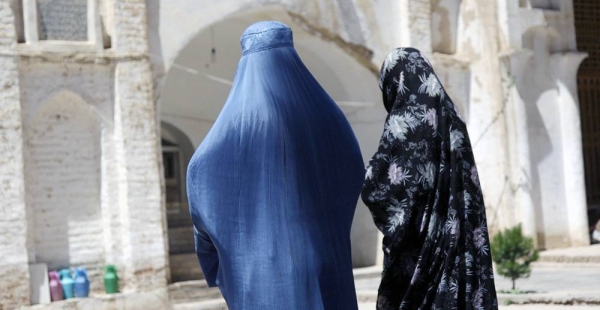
[(274, 185), (423, 191)]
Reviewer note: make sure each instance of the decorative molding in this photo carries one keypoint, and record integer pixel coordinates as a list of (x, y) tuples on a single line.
[(33, 43)]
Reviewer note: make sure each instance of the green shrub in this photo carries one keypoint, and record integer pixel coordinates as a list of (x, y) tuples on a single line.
[(513, 253)]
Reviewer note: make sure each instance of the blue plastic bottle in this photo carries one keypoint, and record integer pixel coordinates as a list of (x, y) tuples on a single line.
[(67, 283), (82, 283)]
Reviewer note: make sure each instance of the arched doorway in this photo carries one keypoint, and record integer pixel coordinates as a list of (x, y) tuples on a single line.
[(198, 82), (177, 149)]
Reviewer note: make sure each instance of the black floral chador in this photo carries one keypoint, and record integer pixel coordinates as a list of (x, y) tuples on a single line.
[(423, 191)]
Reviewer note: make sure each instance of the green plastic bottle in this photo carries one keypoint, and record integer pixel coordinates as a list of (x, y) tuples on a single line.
[(111, 280)]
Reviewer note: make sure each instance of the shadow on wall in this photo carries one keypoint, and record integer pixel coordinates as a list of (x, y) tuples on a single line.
[(541, 4), (444, 25), (539, 90)]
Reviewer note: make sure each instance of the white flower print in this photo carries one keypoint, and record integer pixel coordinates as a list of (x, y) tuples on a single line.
[(397, 126), (397, 175), (468, 259), (428, 116), (451, 226), (454, 286), (430, 85), (469, 263), (427, 172), (478, 298), (443, 286), (431, 118), (467, 198), (479, 239), (369, 173), (401, 87), (456, 140), (412, 99), (396, 210), (392, 59)]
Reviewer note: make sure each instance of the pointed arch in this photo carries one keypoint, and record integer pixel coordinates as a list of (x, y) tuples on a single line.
[(62, 172)]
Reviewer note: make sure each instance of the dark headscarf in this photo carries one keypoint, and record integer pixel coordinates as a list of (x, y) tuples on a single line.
[(423, 191)]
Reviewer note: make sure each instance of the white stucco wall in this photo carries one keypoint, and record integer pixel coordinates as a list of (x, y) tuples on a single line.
[(538, 40), (14, 286), (191, 98)]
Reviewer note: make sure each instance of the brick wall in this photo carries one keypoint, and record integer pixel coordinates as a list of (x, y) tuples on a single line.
[(136, 130), (70, 184), (14, 284), (62, 169)]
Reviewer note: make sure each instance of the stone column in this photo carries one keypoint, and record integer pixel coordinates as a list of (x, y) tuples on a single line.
[(415, 24), (565, 67), (478, 43), (136, 135), (14, 271), (518, 144)]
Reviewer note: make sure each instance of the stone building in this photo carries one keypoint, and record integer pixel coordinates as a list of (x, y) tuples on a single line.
[(102, 103)]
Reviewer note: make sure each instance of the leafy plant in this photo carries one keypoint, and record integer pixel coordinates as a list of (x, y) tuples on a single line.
[(513, 254)]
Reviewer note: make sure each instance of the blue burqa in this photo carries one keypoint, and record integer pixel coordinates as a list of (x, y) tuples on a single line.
[(274, 185)]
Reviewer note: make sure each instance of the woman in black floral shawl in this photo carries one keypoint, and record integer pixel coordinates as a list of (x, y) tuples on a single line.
[(423, 191)]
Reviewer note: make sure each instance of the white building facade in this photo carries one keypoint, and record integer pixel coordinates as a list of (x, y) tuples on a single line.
[(104, 101)]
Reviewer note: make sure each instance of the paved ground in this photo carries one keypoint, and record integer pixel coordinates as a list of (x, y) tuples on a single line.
[(551, 283), (586, 254), (567, 276), (545, 278), (548, 282)]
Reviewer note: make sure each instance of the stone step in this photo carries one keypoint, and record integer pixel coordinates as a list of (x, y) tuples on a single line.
[(216, 304), (580, 255), (192, 292)]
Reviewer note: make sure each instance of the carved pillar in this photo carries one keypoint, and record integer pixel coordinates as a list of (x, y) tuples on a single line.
[(136, 149), (565, 67), (415, 24), (518, 144)]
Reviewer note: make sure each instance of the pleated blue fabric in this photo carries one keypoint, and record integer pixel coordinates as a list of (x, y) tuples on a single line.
[(274, 185)]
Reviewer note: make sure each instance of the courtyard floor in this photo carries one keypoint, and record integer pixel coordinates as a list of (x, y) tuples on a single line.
[(563, 279)]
